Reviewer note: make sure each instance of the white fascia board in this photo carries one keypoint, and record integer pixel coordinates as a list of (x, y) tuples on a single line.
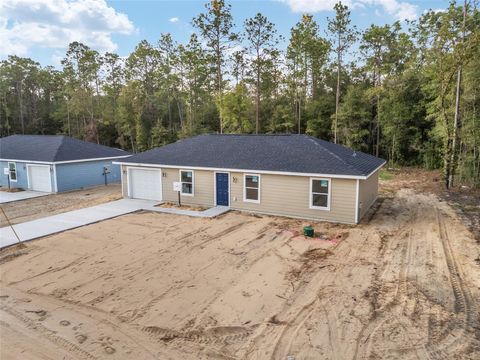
[(335, 176), (92, 159), (28, 161), (374, 171), (66, 161)]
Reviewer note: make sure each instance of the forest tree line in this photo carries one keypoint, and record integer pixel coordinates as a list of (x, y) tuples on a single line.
[(408, 93)]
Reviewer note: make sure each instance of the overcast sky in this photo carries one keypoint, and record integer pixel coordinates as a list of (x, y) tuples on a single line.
[(42, 29)]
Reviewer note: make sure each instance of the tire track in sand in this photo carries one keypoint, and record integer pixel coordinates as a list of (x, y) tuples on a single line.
[(461, 332), (390, 310)]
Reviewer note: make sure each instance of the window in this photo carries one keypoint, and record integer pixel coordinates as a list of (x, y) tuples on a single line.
[(12, 171), (320, 194), (186, 178), (251, 190)]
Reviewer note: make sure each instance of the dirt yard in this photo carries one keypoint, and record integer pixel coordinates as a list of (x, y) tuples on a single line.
[(31, 209), (405, 284)]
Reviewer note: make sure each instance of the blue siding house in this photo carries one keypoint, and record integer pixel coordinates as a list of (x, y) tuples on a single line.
[(56, 163)]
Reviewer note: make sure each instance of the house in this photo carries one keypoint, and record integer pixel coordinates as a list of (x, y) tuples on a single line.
[(289, 175), (56, 163)]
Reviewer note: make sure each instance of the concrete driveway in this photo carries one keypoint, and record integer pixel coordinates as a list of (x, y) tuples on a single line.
[(53, 224), (34, 229), (6, 197)]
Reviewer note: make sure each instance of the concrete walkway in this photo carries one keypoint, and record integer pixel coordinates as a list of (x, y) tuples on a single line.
[(70, 220), (6, 197), (212, 212)]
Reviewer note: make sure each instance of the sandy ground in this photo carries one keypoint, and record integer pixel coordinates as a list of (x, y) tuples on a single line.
[(31, 209), (402, 285)]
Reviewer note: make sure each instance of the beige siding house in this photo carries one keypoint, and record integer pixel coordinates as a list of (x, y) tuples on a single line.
[(213, 171)]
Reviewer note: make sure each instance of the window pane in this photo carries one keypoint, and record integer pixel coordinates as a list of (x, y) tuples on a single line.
[(319, 200), (13, 171), (251, 194), (187, 176), (187, 188), (320, 186), (251, 181)]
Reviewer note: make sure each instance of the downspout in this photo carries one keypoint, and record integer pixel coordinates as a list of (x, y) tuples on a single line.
[(357, 204), (55, 186)]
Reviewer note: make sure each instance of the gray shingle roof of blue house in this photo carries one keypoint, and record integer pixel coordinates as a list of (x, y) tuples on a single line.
[(277, 153), (53, 148)]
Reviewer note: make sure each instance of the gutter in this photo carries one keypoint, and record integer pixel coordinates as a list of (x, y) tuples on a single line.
[(336, 176)]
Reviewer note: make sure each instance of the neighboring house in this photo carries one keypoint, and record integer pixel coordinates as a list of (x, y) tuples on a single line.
[(290, 175), (56, 163)]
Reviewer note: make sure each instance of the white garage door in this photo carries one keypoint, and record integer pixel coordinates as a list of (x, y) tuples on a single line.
[(145, 184), (39, 178)]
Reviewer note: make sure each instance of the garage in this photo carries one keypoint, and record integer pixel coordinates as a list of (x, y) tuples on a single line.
[(39, 178), (145, 184)]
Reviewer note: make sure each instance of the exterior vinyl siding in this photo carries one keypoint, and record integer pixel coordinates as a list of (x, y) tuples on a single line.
[(279, 194), (290, 196), (22, 177), (368, 192), (85, 174), (203, 187)]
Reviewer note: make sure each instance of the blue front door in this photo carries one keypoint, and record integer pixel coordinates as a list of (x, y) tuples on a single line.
[(222, 188)]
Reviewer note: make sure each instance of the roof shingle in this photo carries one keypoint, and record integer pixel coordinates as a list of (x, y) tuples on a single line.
[(279, 153), (53, 148)]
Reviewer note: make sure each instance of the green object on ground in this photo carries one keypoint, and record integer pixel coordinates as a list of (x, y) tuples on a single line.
[(308, 231)]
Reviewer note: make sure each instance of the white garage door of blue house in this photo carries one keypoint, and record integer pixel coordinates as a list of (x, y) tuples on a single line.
[(39, 178)]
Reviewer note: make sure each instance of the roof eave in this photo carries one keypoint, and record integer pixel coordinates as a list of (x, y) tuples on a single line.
[(337, 176), (66, 161), (378, 168)]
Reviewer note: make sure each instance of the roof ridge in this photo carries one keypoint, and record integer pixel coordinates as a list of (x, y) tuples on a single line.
[(314, 140), (57, 151)]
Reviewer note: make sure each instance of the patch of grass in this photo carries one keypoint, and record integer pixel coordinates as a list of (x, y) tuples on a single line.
[(385, 175)]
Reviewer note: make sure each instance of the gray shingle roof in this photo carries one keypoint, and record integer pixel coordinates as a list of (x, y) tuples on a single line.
[(53, 148), (279, 153)]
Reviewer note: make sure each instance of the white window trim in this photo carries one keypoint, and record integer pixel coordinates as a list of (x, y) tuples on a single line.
[(16, 174), (193, 182), (245, 188), (329, 195)]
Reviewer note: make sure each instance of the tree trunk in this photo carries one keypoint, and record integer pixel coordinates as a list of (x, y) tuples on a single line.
[(299, 115), (337, 95), (456, 120), (20, 103), (257, 103), (377, 145)]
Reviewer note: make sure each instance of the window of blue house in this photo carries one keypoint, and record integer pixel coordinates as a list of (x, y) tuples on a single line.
[(12, 171)]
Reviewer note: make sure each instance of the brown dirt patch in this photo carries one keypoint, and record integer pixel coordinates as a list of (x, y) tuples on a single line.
[(403, 285)]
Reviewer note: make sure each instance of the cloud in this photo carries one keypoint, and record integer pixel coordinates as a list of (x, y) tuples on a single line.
[(399, 10), (55, 23), (312, 6), (174, 19)]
